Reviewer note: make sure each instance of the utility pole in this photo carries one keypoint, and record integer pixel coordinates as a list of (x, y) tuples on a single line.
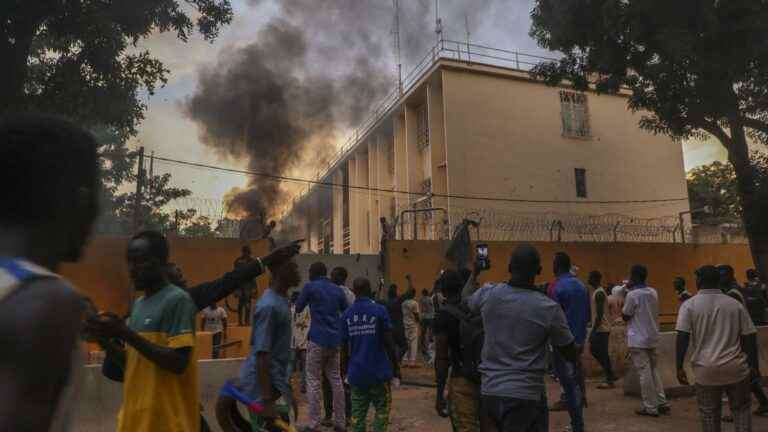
[(151, 178), (139, 191), (396, 33)]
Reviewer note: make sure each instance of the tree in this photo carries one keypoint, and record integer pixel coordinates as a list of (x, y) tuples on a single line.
[(200, 227), (694, 67), (714, 186), (157, 195), (81, 58)]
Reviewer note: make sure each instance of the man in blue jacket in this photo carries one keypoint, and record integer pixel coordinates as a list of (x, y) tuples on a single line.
[(326, 303)]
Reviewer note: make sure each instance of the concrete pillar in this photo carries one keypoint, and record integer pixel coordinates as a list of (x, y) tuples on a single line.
[(414, 170), (401, 166), (353, 215), (363, 201), (437, 144), (374, 196), (337, 194)]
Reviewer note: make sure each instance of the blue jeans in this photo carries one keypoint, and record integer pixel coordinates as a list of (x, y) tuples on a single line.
[(507, 414), (570, 376)]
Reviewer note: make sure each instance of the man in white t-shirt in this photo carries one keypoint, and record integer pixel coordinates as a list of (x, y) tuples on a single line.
[(411, 320), (215, 321), (641, 312), (723, 355)]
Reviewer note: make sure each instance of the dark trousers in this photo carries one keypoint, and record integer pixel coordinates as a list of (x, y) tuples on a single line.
[(218, 338), (515, 415), (598, 347), (571, 376), (244, 311)]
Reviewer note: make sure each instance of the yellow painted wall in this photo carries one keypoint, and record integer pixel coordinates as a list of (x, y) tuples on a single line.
[(102, 274), (504, 138), (424, 260)]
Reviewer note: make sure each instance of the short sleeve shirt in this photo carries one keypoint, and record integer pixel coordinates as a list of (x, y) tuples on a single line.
[(410, 310), (716, 323), (362, 327), (518, 324), (214, 319), (156, 400), (599, 298), (271, 333), (642, 304)]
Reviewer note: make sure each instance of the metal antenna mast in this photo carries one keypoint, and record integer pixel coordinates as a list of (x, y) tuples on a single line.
[(466, 26), (438, 22), (396, 33)]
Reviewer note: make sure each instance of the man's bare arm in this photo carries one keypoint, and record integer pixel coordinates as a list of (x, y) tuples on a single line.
[(174, 360), (41, 325)]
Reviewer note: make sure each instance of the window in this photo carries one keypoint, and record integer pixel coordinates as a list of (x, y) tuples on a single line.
[(574, 114), (581, 182)]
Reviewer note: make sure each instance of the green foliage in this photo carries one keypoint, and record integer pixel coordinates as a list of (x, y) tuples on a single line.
[(693, 65), (82, 58), (715, 186)]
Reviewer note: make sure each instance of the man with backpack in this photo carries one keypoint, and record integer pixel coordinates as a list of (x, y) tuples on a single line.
[(519, 321), (463, 403)]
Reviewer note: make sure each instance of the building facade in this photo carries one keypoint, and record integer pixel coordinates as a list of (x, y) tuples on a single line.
[(491, 144)]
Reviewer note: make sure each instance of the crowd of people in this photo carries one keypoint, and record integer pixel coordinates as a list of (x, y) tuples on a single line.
[(492, 346)]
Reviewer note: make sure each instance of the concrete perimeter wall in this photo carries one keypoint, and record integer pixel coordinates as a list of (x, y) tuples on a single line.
[(102, 273), (668, 371), (99, 399), (424, 259)]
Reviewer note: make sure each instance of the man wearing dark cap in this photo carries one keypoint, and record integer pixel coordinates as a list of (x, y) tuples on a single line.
[(519, 321)]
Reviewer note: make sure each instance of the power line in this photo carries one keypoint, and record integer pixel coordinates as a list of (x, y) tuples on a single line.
[(395, 191)]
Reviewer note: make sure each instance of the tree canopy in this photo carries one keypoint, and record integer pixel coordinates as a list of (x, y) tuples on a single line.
[(82, 58)]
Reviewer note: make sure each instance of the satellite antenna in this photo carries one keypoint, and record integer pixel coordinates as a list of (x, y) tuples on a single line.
[(396, 33)]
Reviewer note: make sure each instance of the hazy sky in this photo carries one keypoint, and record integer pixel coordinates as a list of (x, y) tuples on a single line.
[(170, 134)]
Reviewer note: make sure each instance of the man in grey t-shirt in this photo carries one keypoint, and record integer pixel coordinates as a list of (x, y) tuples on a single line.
[(518, 321)]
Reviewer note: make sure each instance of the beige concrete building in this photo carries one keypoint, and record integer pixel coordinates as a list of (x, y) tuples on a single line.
[(488, 142)]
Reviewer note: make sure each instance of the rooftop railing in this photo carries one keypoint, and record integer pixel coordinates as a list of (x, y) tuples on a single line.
[(444, 49)]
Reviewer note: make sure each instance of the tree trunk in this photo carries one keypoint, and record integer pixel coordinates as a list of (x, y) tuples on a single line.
[(755, 209)]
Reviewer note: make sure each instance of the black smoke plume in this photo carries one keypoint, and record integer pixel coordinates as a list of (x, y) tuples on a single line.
[(314, 72)]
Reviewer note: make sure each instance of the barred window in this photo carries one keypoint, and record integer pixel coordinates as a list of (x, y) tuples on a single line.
[(581, 182), (574, 113)]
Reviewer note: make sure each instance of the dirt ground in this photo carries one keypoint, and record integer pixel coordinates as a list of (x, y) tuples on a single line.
[(609, 410)]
